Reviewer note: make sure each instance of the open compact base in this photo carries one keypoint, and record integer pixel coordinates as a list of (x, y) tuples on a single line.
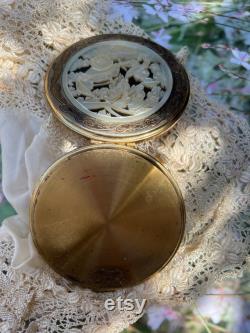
[(107, 217)]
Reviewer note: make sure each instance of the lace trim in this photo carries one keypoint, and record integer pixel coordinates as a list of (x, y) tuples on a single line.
[(207, 153)]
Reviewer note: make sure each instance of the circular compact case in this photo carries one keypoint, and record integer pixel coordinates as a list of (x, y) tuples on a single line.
[(108, 215)]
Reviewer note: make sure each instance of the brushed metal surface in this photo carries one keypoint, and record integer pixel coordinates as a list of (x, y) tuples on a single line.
[(107, 217)]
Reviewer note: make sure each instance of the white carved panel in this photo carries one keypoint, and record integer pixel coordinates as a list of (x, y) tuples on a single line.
[(117, 81)]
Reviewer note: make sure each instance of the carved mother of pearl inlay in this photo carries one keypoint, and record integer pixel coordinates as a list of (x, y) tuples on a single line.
[(117, 81)]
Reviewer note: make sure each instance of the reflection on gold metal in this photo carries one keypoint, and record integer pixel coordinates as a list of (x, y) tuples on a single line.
[(107, 217)]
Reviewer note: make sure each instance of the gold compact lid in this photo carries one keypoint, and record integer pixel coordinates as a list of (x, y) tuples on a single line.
[(107, 217), (117, 88)]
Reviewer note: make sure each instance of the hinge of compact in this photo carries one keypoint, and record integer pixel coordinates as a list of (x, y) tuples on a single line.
[(127, 144)]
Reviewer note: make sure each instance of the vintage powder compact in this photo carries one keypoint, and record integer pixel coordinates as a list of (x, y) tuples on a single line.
[(109, 216)]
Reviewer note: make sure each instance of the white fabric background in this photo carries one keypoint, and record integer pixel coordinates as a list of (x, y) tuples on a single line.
[(25, 157)]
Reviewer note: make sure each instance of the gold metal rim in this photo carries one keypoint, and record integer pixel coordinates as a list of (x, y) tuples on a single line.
[(144, 155), (182, 95)]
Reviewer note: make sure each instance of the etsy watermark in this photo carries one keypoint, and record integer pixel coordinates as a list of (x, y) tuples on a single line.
[(125, 304)]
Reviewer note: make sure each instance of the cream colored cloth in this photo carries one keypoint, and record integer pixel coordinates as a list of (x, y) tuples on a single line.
[(207, 152), (25, 156)]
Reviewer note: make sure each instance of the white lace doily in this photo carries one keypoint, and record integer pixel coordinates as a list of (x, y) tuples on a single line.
[(207, 153)]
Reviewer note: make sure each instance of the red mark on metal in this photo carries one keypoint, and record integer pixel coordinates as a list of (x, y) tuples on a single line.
[(88, 177), (85, 177)]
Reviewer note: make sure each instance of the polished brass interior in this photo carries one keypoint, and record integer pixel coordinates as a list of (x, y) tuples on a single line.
[(107, 217)]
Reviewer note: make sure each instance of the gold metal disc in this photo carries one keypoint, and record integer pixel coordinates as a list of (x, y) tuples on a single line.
[(107, 217)]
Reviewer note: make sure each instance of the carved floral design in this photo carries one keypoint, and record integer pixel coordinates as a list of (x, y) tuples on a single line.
[(119, 83)]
